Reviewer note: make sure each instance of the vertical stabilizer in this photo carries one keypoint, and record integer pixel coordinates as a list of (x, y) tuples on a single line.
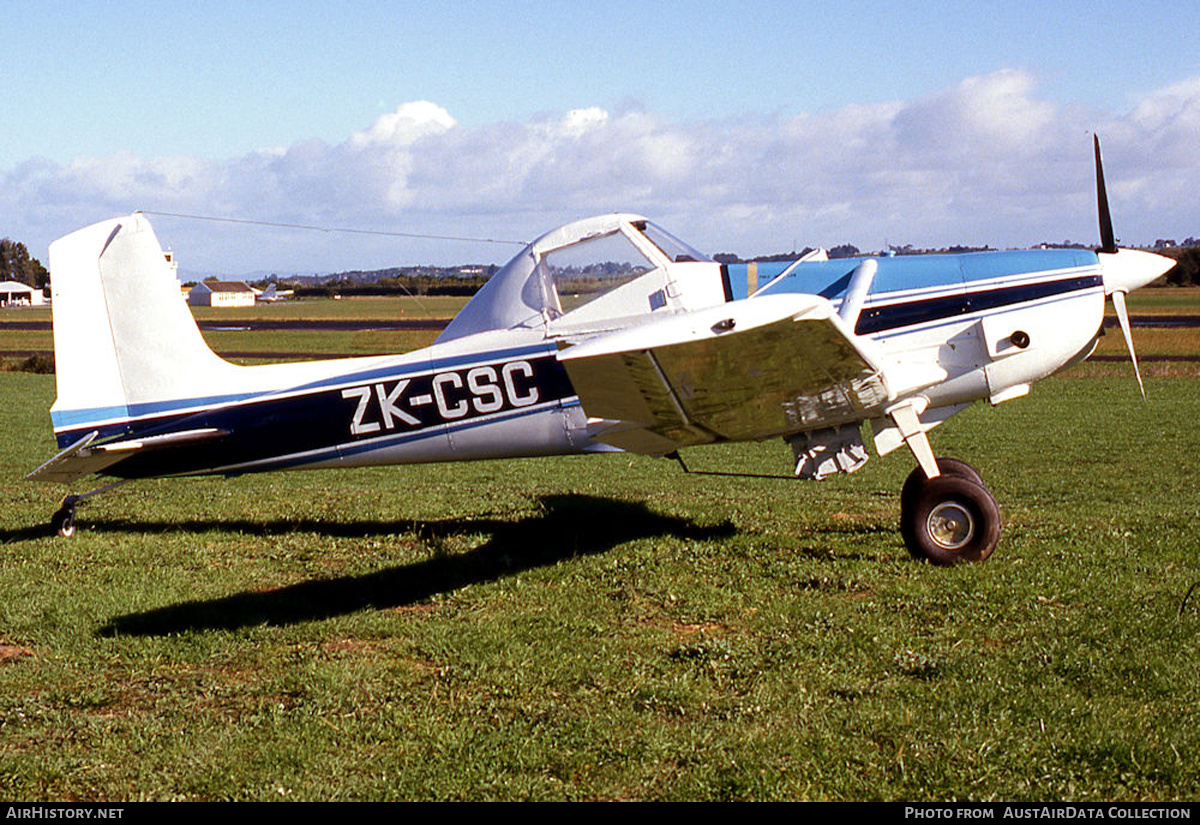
[(123, 337)]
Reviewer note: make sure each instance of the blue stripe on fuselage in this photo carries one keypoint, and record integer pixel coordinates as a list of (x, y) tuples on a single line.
[(903, 273), (324, 421), (916, 289), (148, 418), (348, 449)]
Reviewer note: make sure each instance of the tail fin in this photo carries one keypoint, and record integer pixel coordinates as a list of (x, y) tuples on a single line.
[(124, 340)]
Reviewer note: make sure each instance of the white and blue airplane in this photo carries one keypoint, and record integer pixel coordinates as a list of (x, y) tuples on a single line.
[(271, 294), (605, 334)]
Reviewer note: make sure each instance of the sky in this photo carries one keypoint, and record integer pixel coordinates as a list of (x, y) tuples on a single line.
[(749, 127)]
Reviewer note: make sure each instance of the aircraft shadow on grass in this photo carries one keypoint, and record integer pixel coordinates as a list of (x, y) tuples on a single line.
[(570, 526)]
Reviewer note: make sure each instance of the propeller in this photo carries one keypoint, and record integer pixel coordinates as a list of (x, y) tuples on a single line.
[(1108, 241), (1123, 270)]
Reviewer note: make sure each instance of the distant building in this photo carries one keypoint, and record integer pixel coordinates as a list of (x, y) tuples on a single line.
[(172, 264), (221, 294), (13, 294)]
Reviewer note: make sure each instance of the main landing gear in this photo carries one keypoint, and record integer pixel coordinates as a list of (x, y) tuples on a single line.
[(951, 518)]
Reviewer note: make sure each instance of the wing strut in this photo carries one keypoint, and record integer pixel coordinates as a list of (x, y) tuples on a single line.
[(856, 292)]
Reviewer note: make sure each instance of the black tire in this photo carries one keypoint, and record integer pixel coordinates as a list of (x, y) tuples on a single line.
[(63, 522), (947, 467), (916, 480), (951, 520)]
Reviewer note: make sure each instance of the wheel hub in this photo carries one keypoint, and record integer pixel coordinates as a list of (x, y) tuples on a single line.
[(951, 525)]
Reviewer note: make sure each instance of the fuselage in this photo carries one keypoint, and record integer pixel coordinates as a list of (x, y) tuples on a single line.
[(982, 323)]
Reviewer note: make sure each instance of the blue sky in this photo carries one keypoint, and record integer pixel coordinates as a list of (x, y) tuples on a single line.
[(754, 124)]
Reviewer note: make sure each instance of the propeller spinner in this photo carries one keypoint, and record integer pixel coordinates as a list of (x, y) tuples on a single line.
[(1123, 270)]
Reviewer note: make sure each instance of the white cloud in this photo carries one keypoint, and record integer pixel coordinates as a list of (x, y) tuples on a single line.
[(997, 110), (580, 121), (986, 161), (405, 126)]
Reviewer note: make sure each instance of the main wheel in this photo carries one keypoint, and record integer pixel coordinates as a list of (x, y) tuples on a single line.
[(951, 519), (947, 467), (916, 480)]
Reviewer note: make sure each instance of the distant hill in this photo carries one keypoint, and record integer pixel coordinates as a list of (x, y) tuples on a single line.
[(468, 271), (199, 275)]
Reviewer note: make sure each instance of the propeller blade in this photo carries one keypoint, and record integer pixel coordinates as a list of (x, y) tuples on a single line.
[(1118, 299), (1108, 241)]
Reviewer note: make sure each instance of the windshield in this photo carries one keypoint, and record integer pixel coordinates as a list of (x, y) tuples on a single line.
[(584, 271), (676, 250)]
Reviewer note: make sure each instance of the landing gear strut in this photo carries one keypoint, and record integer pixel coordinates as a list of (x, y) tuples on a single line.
[(63, 520), (950, 519)]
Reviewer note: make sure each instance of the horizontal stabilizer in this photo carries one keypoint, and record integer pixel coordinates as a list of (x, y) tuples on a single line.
[(161, 441), (82, 459), (76, 461), (750, 369)]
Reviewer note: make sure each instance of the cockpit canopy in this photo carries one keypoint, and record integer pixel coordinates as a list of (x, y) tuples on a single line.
[(600, 269)]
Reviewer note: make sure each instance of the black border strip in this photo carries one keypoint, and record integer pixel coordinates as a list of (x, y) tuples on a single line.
[(892, 316)]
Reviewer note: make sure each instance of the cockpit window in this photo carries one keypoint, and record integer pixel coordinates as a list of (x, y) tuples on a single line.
[(675, 249), (597, 273), (584, 271)]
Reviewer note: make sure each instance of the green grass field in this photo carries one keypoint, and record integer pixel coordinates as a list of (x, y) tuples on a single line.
[(610, 628), (353, 308)]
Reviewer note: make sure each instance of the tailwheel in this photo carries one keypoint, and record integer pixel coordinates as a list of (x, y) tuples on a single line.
[(63, 520), (949, 519)]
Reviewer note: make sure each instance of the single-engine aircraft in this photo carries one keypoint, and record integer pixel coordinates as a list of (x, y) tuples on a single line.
[(271, 294), (605, 334)]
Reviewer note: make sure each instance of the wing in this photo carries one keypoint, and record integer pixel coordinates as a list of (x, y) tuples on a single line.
[(746, 370)]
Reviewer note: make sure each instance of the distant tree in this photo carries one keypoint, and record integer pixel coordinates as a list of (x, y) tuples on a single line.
[(778, 256), (843, 251), (1067, 244), (1187, 268), (16, 265)]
